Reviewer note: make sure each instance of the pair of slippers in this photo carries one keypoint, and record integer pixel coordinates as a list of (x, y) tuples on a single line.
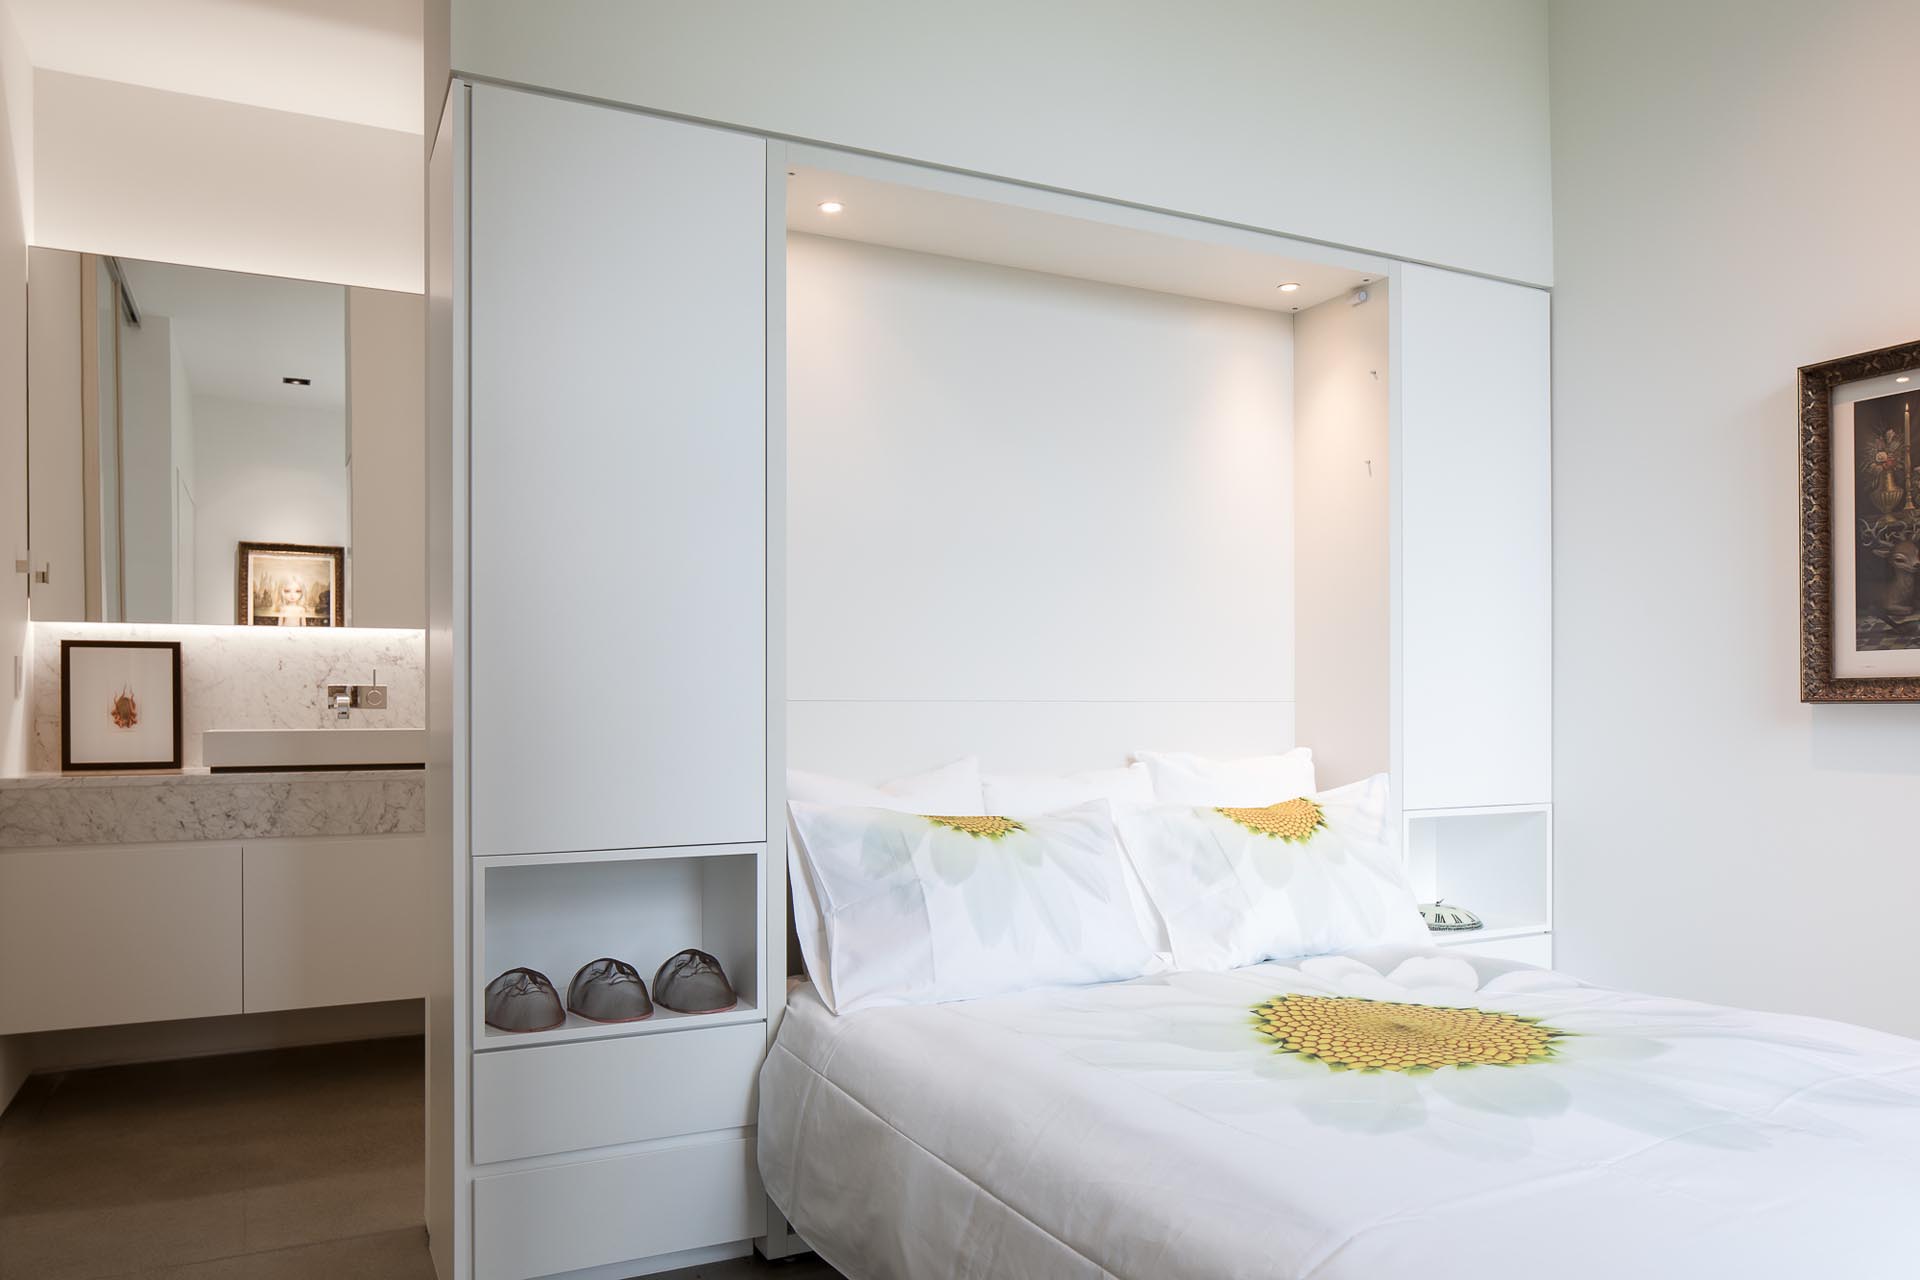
[(608, 990)]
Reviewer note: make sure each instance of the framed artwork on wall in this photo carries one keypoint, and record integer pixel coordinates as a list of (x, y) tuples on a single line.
[(119, 704), (285, 584), (1860, 528)]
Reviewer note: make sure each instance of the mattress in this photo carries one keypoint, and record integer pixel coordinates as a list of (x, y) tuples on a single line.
[(1355, 1117)]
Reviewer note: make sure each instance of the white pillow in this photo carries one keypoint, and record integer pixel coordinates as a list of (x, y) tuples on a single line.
[(1180, 778), (1128, 786), (1018, 793), (952, 788), (1238, 885), (920, 910)]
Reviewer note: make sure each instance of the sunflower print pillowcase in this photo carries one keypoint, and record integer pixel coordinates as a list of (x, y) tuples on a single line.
[(924, 908), (1303, 876)]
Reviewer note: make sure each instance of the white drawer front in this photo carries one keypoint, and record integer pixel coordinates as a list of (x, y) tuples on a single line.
[(1535, 948), (568, 1217), (600, 1093)]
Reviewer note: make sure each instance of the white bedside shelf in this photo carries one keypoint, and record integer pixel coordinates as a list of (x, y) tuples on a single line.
[(578, 1028), (1491, 931)]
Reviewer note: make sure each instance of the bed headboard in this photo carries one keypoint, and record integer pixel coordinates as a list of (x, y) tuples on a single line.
[(875, 740), (1039, 520)]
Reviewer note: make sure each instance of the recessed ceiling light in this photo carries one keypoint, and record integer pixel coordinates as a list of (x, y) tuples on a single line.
[(1903, 378), (298, 382), (1290, 287), (831, 206)]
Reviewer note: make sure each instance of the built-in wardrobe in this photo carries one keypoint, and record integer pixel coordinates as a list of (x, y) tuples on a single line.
[(609, 650)]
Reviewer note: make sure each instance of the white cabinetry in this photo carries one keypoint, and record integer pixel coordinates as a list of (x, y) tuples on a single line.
[(610, 706), (1474, 605), (334, 921), (134, 933), (103, 936), (619, 480), (1474, 466)]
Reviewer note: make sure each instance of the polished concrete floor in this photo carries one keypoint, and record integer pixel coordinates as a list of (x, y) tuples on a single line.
[(295, 1163), (300, 1164)]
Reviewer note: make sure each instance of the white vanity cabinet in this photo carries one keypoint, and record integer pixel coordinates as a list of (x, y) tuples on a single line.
[(109, 935), (129, 933), (333, 921)]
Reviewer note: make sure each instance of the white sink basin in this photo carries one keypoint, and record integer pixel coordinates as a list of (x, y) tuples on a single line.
[(312, 748)]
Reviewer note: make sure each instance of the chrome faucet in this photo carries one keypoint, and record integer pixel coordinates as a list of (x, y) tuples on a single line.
[(342, 698)]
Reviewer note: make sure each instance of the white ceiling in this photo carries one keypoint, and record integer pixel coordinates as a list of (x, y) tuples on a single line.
[(239, 335), (909, 217), (354, 60)]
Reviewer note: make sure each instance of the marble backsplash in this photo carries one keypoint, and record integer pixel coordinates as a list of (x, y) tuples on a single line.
[(247, 678)]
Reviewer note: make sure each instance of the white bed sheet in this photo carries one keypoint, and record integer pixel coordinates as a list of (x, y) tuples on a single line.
[(1150, 1130)]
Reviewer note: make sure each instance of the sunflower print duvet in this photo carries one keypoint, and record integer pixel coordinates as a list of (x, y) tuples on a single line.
[(1354, 1117)]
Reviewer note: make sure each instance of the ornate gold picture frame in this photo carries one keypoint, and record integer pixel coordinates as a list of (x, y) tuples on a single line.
[(1860, 528)]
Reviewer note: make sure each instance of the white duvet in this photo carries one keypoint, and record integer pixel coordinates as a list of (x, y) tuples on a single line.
[(1356, 1117)]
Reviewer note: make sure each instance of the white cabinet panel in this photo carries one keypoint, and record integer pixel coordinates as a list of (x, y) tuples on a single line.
[(600, 1093), (619, 487), (335, 921), (540, 1222), (137, 933), (1532, 948), (1475, 541)]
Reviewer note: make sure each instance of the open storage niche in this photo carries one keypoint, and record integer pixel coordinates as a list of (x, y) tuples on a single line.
[(554, 913), (1497, 863)]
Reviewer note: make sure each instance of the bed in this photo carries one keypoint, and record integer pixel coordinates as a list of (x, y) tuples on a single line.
[(1362, 1116)]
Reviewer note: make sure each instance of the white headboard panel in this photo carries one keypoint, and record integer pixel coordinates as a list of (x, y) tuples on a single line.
[(874, 741), (1040, 520)]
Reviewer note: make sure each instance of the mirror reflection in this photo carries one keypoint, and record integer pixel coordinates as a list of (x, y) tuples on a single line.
[(189, 451)]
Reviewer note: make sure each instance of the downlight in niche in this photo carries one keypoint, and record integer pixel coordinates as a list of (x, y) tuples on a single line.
[(831, 206)]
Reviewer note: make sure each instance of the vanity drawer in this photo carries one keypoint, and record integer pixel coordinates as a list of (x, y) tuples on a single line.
[(597, 1212), (599, 1093), (132, 933)]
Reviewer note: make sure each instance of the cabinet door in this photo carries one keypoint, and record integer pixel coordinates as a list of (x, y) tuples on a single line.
[(618, 517), (1476, 541), (335, 921), (138, 933)]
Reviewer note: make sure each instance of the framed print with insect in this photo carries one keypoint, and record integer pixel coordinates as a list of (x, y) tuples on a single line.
[(1860, 528), (119, 704)]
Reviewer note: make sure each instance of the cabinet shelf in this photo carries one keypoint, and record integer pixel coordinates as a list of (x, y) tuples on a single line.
[(1495, 930), (577, 1028)]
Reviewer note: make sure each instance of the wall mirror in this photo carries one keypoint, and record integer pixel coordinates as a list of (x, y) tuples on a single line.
[(191, 447)]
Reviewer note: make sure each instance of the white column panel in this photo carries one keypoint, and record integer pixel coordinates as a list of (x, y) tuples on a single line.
[(1475, 541), (618, 624)]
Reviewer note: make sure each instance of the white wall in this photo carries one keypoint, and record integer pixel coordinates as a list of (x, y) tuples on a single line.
[(143, 173), (1400, 126), (1732, 201), (183, 491), (267, 473), (386, 425), (149, 370), (1008, 487)]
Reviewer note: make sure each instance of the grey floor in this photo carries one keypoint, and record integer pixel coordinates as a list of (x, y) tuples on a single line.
[(301, 1164)]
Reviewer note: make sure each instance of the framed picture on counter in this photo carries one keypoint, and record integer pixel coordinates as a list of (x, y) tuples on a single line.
[(286, 584), (1860, 528), (119, 704)]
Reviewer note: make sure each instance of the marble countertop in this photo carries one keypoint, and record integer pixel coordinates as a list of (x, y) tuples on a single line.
[(189, 777), (43, 809)]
